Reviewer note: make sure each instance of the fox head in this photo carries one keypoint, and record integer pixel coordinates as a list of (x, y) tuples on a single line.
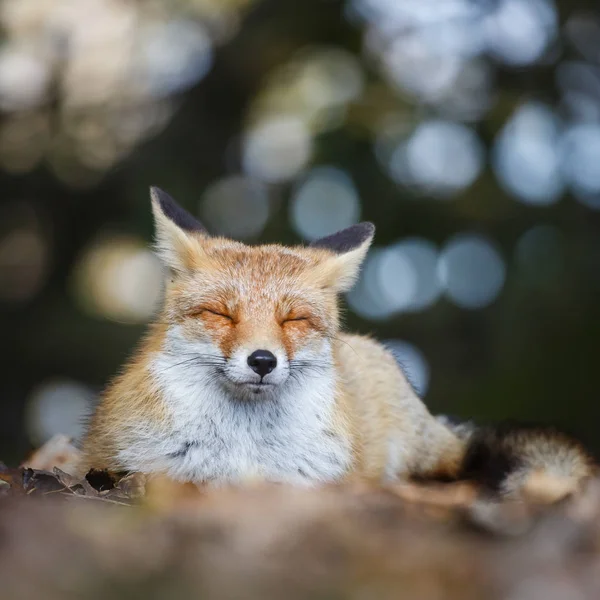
[(253, 318)]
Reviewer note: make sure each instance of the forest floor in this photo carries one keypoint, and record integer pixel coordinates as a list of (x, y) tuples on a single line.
[(61, 537)]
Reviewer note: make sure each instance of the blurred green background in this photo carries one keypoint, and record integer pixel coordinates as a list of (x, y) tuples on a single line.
[(468, 131)]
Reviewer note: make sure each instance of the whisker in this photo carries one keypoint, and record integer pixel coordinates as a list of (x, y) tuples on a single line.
[(337, 339), (179, 364), (301, 362), (196, 359), (198, 355), (317, 366)]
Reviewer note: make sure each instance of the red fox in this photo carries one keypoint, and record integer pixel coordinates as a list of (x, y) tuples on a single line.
[(246, 374)]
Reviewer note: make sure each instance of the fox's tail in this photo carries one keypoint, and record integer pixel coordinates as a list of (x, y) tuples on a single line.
[(536, 463)]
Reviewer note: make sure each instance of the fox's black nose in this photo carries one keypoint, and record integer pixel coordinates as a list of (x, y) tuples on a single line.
[(262, 362)]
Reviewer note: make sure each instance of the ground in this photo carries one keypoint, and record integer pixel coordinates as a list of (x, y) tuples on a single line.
[(65, 538)]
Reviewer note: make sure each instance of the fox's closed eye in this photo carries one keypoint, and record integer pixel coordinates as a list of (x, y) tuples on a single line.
[(197, 312), (294, 319), (218, 314)]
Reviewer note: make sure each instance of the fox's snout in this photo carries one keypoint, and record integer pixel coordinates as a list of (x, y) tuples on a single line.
[(262, 362), (249, 370)]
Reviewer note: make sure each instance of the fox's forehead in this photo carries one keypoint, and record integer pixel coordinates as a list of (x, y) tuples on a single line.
[(245, 273), (269, 262)]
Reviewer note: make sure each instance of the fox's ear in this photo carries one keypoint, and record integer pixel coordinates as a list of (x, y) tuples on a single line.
[(176, 232), (350, 247)]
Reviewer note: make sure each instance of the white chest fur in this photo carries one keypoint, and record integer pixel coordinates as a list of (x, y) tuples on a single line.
[(216, 438)]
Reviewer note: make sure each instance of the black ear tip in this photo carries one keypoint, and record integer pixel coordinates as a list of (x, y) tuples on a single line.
[(368, 227), (348, 239), (160, 196), (181, 217), (361, 232)]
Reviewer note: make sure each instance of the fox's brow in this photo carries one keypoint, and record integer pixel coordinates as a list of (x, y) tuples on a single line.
[(264, 257)]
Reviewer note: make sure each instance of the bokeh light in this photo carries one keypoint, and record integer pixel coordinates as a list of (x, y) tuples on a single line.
[(471, 270), (24, 79), (423, 257), (527, 157), (58, 407), (235, 206), (366, 298), (316, 86), (440, 158), (399, 278), (581, 157), (118, 278), (324, 202), (330, 77), (396, 279), (276, 149), (174, 55), (518, 32)]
